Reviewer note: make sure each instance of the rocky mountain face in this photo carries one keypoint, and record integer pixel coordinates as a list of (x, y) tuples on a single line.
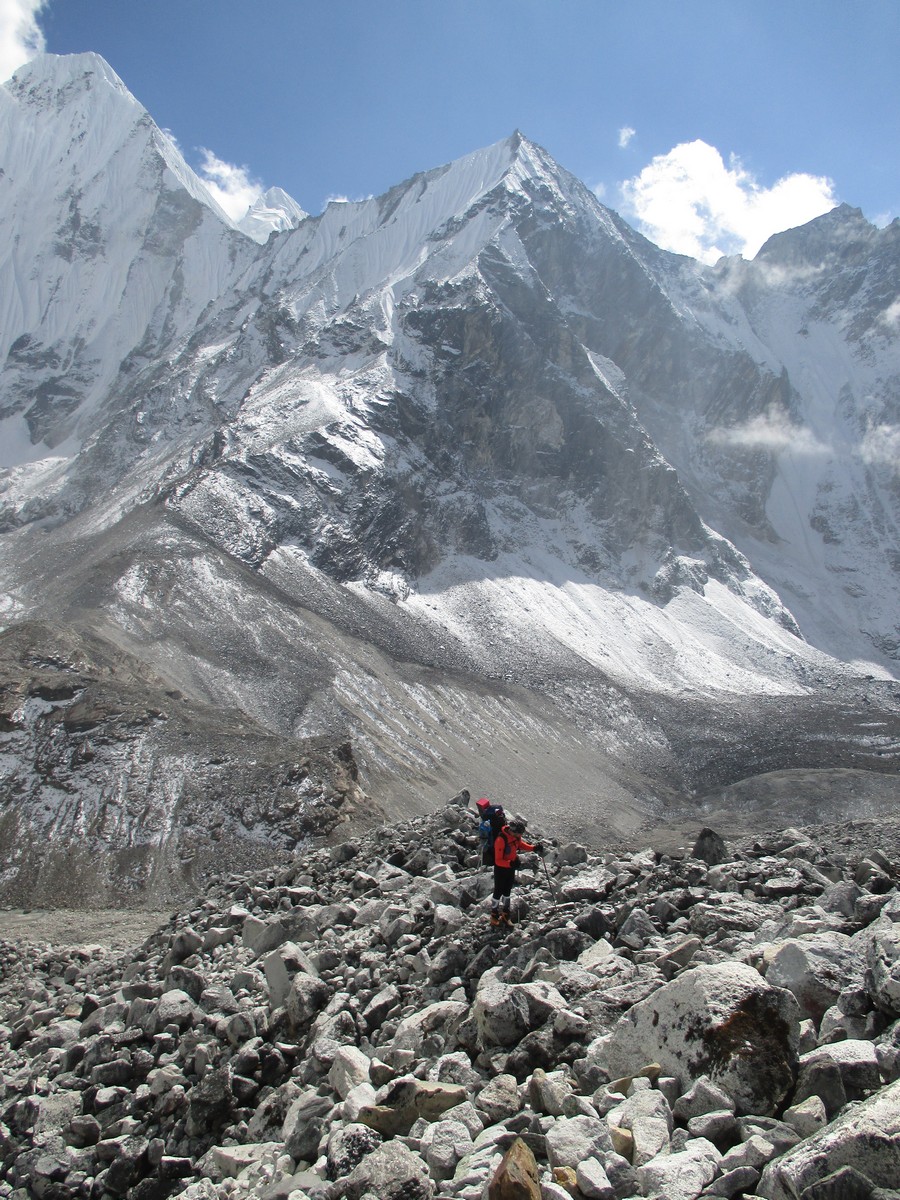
[(119, 790), (469, 475), (719, 1022)]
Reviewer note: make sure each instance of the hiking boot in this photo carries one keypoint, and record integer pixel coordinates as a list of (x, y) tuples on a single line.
[(505, 918), (496, 918)]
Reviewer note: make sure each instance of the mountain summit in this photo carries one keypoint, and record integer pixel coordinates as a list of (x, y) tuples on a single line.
[(469, 474)]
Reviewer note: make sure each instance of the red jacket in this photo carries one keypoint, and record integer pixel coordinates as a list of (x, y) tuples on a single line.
[(506, 847)]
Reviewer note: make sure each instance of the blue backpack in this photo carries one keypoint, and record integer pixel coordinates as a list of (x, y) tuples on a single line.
[(492, 821)]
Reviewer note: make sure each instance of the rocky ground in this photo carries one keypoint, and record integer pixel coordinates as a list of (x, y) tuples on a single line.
[(722, 1021)]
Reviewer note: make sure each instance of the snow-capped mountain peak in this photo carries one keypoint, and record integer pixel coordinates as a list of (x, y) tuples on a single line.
[(79, 97), (117, 243), (50, 81)]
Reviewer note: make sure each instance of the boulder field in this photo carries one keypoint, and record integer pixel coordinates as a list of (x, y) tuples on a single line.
[(715, 1022)]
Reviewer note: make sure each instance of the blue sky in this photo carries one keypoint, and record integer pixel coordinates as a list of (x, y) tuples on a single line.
[(708, 123)]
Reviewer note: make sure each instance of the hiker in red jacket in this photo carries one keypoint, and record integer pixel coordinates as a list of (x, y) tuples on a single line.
[(507, 844)]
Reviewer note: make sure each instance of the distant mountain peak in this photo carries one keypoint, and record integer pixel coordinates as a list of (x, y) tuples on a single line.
[(843, 230), (274, 211)]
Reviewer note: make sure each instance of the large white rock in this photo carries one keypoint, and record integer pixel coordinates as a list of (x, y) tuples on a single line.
[(702, 1097), (348, 1070), (500, 1098), (589, 885), (359, 1097), (594, 955), (505, 1012), (856, 1060), (723, 1021), (593, 1182), (441, 1016), (681, 1176), (259, 936), (648, 1117), (865, 1136), (280, 966), (306, 996), (391, 1172), (727, 911), (808, 1117), (571, 1140), (447, 919), (54, 1113), (816, 969), (447, 1142), (174, 1007), (227, 1162), (883, 961)]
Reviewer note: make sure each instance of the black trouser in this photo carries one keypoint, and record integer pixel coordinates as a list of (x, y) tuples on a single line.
[(504, 878)]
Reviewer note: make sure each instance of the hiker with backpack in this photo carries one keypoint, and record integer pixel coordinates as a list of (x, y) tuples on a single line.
[(491, 819), (507, 844)]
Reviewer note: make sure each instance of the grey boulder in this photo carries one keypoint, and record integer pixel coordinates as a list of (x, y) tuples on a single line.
[(865, 1137), (723, 1021)]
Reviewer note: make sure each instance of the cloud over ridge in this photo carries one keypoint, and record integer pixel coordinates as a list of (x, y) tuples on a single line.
[(880, 447), (772, 431), (232, 187), (21, 38), (689, 201)]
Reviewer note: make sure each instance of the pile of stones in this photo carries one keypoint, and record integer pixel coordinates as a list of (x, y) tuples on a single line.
[(716, 1022)]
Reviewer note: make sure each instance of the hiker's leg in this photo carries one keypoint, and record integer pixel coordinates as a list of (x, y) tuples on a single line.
[(495, 898), (504, 886)]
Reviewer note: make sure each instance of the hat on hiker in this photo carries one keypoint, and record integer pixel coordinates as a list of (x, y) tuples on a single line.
[(483, 802)]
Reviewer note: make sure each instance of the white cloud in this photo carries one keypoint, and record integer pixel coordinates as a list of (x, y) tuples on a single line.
[(626, 133), (689, 201), (232, 187), (772, 431), (881, 446), (21, 38), (891, 316)]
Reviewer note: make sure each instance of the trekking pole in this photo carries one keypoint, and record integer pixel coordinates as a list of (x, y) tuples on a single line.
[(549, 884)]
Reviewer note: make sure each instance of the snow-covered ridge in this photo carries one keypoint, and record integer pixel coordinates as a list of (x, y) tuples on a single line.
[(431, 227)]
